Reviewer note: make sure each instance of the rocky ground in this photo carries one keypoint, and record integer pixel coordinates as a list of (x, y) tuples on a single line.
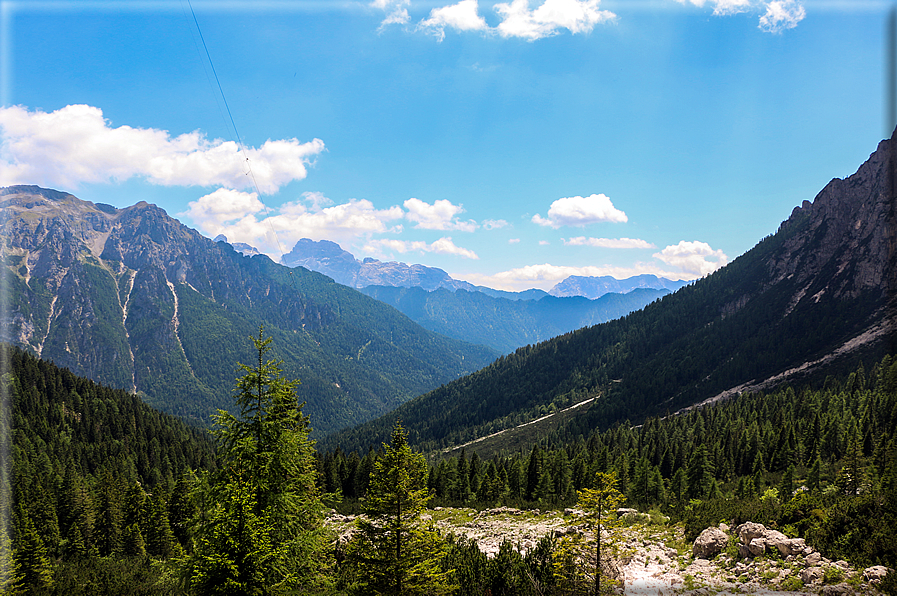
[(654, 557)]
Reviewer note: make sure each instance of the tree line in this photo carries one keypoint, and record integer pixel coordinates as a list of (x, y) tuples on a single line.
[(109, 496)]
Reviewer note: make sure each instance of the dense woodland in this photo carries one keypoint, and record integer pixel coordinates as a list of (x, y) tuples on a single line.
[(109, 496)]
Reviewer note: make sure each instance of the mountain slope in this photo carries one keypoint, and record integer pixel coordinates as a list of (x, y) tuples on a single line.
[(822, 286), (505, 324), (134, 299)]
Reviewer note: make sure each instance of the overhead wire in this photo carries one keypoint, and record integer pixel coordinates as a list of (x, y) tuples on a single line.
[(239, 140)]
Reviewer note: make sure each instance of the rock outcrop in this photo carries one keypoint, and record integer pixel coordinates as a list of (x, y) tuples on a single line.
[(710, 543)]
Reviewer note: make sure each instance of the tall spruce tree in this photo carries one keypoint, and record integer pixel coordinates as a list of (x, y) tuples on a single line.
[(395, 552), (261, 525)]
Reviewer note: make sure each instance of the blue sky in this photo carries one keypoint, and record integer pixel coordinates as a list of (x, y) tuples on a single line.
[(510, 143)]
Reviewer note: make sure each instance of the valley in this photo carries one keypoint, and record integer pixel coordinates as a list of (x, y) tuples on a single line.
[(764, 393)]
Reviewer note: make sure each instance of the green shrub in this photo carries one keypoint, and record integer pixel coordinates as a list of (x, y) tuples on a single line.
[(832, 575)]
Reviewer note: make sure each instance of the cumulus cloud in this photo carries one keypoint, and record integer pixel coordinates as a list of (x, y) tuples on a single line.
[(242, 217), (545, 276), (577, 16), (781, 15), (462, 16), (580, 211), (695, 258), (777, 16), (443, 246), (223, 207), (494, 224), (514, 241), (438, 216), (76, 145), (396, 11), (608, 242)]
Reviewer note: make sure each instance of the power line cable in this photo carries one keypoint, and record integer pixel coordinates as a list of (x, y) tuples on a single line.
[(240, 144)]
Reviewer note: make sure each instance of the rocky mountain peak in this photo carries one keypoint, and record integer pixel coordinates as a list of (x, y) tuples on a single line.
[(844, 242), (327, 257)]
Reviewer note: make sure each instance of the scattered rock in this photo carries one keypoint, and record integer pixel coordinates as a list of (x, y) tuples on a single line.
[(875, 574), (711, 542), (811, 575), (836, 590), (757, 546), (750, 530)]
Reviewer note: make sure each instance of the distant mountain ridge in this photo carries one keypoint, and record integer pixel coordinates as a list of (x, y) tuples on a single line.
[(595, 287), (327, 257), (134, 299), (504, 324), (812, 299), (330, 259)]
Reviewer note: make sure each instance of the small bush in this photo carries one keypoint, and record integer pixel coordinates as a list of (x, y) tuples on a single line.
[(832, 575), (792, 583)]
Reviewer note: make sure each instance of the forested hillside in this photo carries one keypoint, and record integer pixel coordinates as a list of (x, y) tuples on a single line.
[(819, 463), (816, 294), (93, 472), (135, 299), (109, 496)]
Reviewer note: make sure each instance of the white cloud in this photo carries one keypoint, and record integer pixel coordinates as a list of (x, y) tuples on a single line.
[(462, 16), (608, 242), (76, 145), (317, 200), (545, 276), (222, 208), (781, 15), (438, 216), (729, 7), (544, 242), (778, 15), (443, 246), (692, 257), (577, 16), (396, 11), (514, 241), (581, 211), (243, 218), (494, 224)]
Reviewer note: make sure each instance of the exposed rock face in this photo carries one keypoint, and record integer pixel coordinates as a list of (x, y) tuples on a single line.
[(848, 235), (330, 259), (710, 543)]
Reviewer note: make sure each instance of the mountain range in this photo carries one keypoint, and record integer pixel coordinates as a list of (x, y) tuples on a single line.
[(809, 300), (504, 324), (330, 259), (134, 299)]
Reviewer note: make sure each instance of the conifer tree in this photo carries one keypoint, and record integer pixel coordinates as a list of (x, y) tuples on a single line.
[(133, 544), (699, 474), (109, 519), (597, 502), (34, 572), (263, 524), (394, 551)]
